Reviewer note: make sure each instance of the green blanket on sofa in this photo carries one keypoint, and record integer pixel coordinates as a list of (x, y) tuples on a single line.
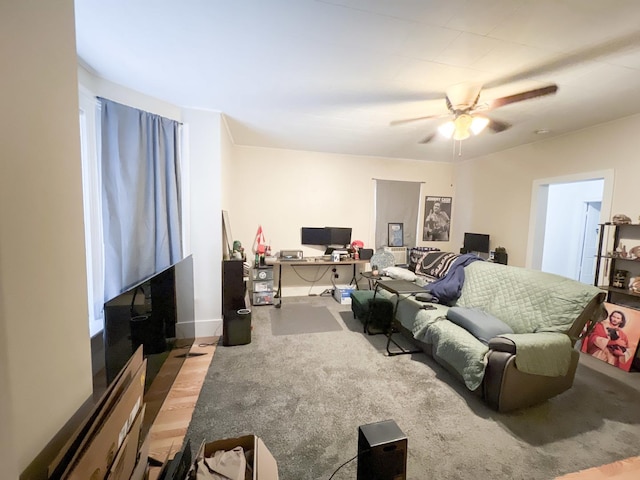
[(540, 307)]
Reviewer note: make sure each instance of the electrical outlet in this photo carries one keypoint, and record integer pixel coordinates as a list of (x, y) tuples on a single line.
[(336, 276)]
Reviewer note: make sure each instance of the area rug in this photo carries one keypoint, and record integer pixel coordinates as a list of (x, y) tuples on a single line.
[(296, 319)]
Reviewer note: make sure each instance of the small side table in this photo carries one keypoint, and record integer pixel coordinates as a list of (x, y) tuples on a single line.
[(397, 288)]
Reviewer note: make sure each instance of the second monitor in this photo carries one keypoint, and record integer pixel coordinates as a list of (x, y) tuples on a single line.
[(326, 236)]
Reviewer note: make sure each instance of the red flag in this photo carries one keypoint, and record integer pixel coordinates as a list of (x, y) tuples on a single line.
[(259, 244)]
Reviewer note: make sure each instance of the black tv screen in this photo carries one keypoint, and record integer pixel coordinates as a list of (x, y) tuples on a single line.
[(476, 242), (340, 236), (314, 236)]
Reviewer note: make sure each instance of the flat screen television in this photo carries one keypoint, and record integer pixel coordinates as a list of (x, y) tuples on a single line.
[(476, 242), (314, 236), (339, 236)]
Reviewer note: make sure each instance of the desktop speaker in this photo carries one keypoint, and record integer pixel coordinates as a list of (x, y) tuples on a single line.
[(365, 253), (382, 452)]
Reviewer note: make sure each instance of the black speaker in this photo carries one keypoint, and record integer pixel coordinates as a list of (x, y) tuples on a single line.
[(365, 253), (233, 293), (382, 452), (501, 257)]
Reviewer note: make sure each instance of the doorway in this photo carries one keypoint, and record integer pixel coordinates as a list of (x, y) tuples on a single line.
[(564, 222)]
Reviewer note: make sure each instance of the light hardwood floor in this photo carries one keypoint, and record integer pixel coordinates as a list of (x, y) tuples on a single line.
[(172, 398)]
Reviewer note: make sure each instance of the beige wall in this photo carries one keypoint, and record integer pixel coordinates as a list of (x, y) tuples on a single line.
[(44, 334), (283, 190), (493, 194)]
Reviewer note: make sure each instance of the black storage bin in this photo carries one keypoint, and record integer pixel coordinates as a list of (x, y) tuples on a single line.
[(236, 327), (149, 333)]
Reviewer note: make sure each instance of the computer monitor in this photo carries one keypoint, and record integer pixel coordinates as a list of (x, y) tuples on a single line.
[(476, 242), (314, 236), (339, 236)]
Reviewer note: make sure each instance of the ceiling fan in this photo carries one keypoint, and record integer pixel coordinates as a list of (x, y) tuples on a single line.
[(462, 101)]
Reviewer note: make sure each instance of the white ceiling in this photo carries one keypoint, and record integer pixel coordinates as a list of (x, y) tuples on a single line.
[(330, 75)]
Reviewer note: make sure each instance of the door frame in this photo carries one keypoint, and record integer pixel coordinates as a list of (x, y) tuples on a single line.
[(539, 203)]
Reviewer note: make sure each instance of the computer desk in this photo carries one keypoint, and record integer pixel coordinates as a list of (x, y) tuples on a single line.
[(314, 262)]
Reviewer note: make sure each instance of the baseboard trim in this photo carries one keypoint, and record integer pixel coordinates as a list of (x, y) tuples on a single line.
[(199, 328)]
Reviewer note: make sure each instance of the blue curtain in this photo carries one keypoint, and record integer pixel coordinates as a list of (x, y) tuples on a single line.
[(140, 195)]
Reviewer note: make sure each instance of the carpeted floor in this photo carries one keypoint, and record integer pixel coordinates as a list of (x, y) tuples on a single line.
[(305, 395), (298, 318)]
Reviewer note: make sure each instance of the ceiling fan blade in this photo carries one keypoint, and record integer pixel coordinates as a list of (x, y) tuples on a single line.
[(498, 126), (595, 52), (407, 120), (428, 138), (518, 97)]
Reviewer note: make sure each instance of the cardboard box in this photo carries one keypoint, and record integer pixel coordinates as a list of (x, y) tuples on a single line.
[(342, 294), (141, 470), (125, 460), (70, 453), (264, 465), (98, 456)]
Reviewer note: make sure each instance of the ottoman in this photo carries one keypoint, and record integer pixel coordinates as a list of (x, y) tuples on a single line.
[(373, 313)]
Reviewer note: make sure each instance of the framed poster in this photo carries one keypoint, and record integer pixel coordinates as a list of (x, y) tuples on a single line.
[(396, 235), (615, 339), (437, 219)]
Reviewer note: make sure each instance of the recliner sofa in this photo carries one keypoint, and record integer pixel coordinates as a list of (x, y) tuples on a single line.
[(510, 336)]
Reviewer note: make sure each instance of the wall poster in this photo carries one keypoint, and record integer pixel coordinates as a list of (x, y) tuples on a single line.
[(615, 339), (437, 219)]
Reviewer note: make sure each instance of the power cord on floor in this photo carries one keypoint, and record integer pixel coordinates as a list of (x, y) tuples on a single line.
[(348, 461)]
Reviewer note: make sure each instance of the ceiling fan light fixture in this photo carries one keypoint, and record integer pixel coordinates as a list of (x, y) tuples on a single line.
[(478, 124), (462, 124), (447, 129)]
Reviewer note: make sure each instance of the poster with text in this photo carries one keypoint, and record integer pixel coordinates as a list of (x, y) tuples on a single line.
[(437, 219), (615, 339)]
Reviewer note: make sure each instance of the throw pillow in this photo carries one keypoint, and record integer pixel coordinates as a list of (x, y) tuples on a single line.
[(436, 264), (481, 325), (416, 254), (399, 273)]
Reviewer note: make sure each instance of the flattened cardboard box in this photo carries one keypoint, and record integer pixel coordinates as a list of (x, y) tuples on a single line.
[(265, 466), (125, 460), (95, 461), (68, 455)]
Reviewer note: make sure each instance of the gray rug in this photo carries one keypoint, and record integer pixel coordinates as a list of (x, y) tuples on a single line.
[(300, 318), (306, 395)]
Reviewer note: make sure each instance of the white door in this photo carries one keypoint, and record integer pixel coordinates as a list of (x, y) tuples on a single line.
[(589, 242)]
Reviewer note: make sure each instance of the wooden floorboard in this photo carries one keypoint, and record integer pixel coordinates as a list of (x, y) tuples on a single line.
[(627, 469), (172, 397)]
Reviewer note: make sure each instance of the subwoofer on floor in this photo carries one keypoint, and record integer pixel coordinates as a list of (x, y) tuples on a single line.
[(382, 452)]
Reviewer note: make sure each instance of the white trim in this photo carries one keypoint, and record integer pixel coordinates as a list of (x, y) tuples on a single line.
[(199, 329)]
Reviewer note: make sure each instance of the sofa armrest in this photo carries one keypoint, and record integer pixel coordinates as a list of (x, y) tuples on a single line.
[(501, 344), (542, 353)]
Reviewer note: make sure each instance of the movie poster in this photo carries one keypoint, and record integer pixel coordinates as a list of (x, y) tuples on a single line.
[(615, 339), (437, 219)]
